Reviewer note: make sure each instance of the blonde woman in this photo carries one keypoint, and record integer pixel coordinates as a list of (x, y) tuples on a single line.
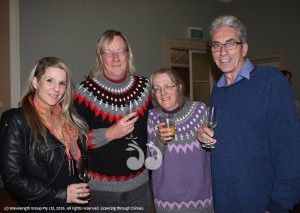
[(41, 141)]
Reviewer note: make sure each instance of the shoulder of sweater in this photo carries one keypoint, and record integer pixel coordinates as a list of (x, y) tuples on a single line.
[(153, 111), (142, 77), (83, 82), (270, 76), (268, 71), (196, 104), (199, 103)]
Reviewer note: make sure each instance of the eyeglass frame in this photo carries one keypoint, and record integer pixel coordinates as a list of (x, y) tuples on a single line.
[(233, 47), (110, 54), (166, 87)]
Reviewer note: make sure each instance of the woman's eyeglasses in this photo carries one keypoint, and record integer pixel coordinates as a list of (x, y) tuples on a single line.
[(166, 88)]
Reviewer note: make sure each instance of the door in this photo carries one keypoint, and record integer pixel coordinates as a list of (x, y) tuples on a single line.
[(191, 59), (200, 76)]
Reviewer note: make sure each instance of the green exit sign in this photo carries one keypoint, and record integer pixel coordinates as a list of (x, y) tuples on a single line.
[(194, 32)]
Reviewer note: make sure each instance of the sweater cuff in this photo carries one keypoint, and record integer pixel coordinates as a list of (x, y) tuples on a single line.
[(97, 138), (274, 207)]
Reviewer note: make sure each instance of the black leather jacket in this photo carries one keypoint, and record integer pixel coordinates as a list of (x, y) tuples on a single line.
[(28, 170)]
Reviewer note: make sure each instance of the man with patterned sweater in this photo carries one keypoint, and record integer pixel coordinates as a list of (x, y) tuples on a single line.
[(119, 177)]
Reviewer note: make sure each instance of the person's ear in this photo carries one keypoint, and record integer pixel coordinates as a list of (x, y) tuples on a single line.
[(34, 82), (245, 49), (180, 87), (212, 57)]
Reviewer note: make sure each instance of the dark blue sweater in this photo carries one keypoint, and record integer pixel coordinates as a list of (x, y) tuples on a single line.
[(256, 162)]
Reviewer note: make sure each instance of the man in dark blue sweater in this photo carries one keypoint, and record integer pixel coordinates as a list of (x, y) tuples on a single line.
[(256, 162)]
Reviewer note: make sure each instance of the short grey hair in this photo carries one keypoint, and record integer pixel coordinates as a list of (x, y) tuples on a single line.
[(228, 21)]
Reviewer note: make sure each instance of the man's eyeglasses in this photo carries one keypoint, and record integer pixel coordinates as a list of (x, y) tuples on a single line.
[(166, 88), (110, 54), (230, 45)]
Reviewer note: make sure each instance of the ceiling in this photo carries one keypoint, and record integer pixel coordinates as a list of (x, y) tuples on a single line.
[(225, 1)]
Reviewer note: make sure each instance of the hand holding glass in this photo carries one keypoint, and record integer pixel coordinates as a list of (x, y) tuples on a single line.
[(169, 122), (83, 172), (211, 122)]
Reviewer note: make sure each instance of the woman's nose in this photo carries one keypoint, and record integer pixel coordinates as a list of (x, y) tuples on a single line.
[(56, 87)]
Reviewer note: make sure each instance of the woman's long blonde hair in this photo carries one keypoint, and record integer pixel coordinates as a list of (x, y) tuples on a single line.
[(66, 102)]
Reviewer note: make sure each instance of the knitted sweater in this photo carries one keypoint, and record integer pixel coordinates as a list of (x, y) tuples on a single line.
[(256, 162), (118, 165), (182, 183)]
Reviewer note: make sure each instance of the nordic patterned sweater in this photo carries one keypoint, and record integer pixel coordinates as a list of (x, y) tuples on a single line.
[(182, 183), (118, 165), (256, 162)]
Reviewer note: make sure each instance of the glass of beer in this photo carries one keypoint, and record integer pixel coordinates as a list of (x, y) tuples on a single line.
[(168, 120)]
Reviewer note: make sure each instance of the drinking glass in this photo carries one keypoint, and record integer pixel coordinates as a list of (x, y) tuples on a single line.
[(83, 172), (211, 122), (169, 121), (130, 107)]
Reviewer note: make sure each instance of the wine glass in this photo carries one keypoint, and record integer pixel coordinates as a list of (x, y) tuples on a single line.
[(83, 172), (211, 122), (130, 107)]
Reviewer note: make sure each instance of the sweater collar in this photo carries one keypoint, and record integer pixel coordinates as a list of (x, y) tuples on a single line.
[(172, 111), (116, 81)]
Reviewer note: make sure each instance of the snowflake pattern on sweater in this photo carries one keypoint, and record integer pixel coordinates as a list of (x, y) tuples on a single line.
[(102, 103), (183, 181)]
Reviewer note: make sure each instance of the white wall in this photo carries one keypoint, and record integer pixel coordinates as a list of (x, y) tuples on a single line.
[(272, 26), (69, 29)]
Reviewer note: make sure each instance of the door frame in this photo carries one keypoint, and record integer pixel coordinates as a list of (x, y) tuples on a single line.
[(181, 43), (197, 45)]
